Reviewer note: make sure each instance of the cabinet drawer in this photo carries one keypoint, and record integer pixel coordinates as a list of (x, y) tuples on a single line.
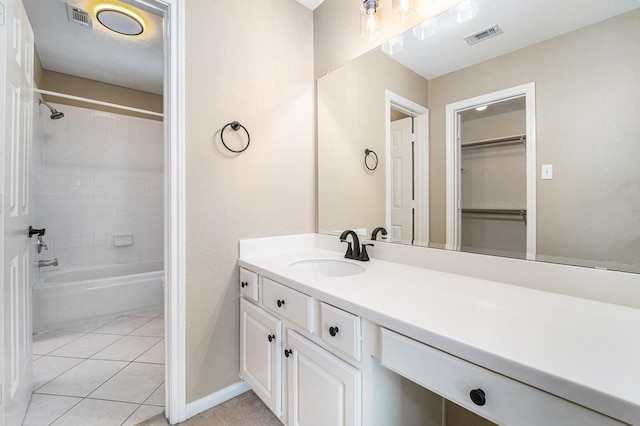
[(289, 303), (506, 401), (341, 330), (249, 284)]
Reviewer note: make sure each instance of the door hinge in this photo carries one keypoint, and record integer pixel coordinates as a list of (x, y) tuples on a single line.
[(1, 14)]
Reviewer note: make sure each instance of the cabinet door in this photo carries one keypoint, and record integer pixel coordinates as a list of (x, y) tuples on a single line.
[(260, 354), (323, 390)]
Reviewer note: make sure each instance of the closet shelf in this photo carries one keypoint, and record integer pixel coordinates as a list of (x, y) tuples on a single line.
[(489, 142)]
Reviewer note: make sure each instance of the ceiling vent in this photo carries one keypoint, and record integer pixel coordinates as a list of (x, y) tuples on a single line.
[(79, 16), (483, 35)]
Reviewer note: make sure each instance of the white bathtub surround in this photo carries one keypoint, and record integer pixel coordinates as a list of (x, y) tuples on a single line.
[(68, 298), (581, 350), (102, 176), (116, 378)]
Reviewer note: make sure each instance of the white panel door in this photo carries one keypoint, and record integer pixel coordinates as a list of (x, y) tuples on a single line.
[(16, 112), (402, 197), (323, 390), (260, 355)]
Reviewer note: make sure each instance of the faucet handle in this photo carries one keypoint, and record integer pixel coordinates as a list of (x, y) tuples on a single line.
[(38, 232), (349, 253), (364, 256)]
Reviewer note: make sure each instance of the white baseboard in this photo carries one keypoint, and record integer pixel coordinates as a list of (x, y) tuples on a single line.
[(216, 398)]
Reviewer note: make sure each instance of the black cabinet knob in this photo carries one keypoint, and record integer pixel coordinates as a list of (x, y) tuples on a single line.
[(280, 303), (271, 337), (333, 331), (478, 397), (243, 284), (287, 352)]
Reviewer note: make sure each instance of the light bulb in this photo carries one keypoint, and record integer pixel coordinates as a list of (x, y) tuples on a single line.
[(482, 108), (463, 11), (426, 29), (404, 11), (394, 45), (370, 20)]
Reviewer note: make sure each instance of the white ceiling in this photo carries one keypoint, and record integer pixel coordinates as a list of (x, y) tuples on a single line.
[(523, 22), (98, 53)]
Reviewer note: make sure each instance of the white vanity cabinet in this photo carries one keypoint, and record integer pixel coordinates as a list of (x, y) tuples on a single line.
[(323, 390), (260, 354), (289, 366)]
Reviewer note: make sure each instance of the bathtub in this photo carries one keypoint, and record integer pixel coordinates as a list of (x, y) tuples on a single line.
[(65, 298)]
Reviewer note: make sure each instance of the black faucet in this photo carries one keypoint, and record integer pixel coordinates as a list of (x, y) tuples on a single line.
[(374, 234), (354, 252)]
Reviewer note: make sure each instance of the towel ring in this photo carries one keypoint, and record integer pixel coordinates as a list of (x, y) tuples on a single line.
[(368, 152), (235, 126)]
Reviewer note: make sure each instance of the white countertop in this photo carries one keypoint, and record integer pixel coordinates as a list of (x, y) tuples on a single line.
[(584, 351)]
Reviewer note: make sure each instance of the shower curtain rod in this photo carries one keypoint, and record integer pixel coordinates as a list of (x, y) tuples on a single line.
[(93, 101)]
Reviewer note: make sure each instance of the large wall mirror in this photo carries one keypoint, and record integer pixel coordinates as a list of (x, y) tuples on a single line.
[(554, 174)]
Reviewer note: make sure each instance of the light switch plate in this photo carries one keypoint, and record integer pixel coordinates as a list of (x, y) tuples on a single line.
[(546, 171)]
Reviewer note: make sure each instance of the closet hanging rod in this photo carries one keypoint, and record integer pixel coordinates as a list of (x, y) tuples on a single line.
[(516, 138), (95, 102), (505, 212)]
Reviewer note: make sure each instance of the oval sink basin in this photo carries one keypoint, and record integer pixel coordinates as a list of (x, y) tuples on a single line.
[(327, 267)]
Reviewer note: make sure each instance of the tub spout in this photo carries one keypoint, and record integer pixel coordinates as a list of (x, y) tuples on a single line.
[(41, 245), (53, 262)]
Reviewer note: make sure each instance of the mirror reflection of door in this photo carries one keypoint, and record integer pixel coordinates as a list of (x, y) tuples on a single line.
[(402, 171), (493, 179)]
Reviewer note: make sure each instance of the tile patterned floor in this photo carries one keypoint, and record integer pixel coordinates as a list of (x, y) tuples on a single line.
[(244, 410), (104, 373)]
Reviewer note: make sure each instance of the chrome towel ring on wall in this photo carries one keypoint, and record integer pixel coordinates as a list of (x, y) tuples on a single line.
[(235, 126), (367, 153)]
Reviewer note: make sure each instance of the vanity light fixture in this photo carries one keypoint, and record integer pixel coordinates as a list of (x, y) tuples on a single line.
[(426, 29), (463, 11), (394, 45), (405, 11), (371, 20), (120, 20)]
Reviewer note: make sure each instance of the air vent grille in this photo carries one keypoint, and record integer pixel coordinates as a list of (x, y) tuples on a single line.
[(79, 16), (483, 35)]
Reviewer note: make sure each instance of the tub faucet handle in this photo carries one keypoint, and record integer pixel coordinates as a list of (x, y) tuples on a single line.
[(38, 232)]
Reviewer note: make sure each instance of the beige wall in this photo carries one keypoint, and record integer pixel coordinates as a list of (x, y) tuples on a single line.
[(587, 104), (252, 62), (351, 118), (91, 89)]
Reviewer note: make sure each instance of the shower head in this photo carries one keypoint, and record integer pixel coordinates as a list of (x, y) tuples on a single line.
[(55, 114)]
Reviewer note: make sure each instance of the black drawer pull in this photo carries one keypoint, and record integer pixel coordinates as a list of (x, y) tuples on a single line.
[(478, 397), (243, 284), (280, 303), (271, 337), (287, 352), (333, 331)]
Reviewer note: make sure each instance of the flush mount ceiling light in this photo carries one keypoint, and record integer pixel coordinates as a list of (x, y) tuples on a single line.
[(120, 20)]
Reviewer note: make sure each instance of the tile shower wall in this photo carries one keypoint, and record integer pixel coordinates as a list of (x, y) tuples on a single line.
[(102, 176)]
